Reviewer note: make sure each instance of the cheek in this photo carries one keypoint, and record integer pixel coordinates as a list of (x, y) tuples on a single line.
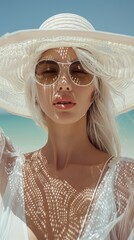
[(85, 97)]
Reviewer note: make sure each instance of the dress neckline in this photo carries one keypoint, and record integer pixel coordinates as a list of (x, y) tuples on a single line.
[(109, 162)]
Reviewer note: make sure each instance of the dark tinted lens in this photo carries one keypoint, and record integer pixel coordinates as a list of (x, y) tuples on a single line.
[(78, 74), (47, 72)]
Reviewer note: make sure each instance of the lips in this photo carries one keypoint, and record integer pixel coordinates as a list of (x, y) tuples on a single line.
[(64, 103)]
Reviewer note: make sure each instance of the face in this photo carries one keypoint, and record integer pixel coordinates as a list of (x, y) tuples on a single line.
[(60, 95)]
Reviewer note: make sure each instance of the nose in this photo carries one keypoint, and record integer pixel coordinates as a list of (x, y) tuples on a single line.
[(64, 84)]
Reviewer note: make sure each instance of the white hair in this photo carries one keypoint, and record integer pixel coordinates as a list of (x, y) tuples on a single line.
[(101, 122)]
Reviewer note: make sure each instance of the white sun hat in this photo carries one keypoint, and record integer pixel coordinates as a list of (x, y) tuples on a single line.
[(20, 50)]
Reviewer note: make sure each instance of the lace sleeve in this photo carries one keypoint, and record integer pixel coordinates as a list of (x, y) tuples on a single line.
[(8, 157), (124, 189), (12, 207), (7, 149)]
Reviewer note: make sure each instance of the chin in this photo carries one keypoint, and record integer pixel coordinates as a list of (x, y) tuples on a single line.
[(67, 119)]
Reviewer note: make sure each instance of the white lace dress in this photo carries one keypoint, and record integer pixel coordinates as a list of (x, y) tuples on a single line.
[(110, 217)]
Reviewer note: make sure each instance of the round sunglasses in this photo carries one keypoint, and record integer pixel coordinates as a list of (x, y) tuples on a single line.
[(48, 72)]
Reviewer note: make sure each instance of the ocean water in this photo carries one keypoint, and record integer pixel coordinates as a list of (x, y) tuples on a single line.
[(27, 136), (23, 132), (125, 123)]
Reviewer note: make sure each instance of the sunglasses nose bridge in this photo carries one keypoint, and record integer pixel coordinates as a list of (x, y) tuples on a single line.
[(64, 72)]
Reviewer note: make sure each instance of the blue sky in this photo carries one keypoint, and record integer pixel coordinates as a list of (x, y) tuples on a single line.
[(113, 16)]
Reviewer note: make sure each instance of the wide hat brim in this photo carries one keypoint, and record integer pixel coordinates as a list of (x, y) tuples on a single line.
[(20, 50)]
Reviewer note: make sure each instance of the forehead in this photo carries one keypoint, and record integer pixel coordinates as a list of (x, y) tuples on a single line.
[(63, 54)]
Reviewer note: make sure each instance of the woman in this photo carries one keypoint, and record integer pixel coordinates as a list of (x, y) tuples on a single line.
[(73, 80)]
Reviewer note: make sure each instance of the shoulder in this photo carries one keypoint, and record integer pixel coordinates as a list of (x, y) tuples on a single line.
[(122, 166), (125, 166), (124, 171), (33, 162), (31, 157)]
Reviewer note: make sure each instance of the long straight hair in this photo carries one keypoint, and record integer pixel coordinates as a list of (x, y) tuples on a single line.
[(101, 122)]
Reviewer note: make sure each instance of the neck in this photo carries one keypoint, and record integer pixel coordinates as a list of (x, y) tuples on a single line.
[(67, 143)]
